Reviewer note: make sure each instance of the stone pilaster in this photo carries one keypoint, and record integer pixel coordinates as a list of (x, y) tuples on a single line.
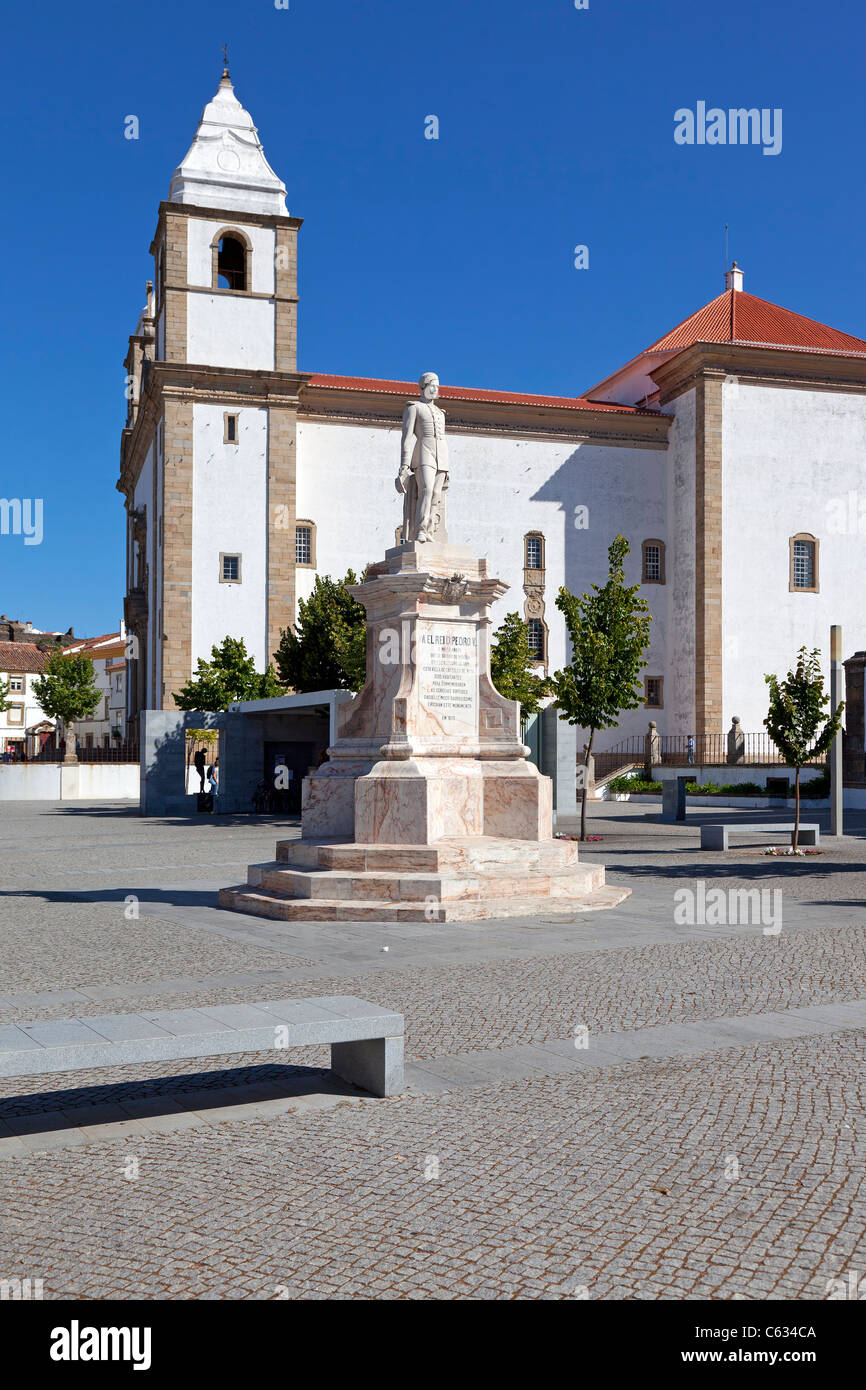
[(176, 605), (282, 447), (286, 304), (175, 286)]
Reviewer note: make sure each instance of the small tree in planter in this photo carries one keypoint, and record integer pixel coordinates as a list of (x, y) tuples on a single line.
[(67, 691), (510, 666), (797, 710), (609, 633)]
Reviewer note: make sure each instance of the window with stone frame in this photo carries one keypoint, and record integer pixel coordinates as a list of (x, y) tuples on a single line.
[(534, 551), (230, 569), (305, 544), (803, 564), (231, 264), (653, 569), (537, 639), (654, 692)]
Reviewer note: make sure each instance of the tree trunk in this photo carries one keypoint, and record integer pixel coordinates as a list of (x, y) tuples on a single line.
[(587, 752), (796, 807)]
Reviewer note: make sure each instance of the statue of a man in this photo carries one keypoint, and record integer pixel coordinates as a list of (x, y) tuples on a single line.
[(423, 475)]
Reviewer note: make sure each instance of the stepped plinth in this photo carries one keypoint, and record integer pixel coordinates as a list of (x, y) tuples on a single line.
[(427, 808)]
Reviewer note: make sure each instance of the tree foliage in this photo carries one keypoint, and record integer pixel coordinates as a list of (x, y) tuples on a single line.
[(609, 633), (327, 649), (4, 696), (230, 675), (796, 715), (66, 689), (510, 662)]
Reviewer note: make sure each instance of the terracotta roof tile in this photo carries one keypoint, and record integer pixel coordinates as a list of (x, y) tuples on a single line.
[(738, 317), (22, 656), (471, 393)]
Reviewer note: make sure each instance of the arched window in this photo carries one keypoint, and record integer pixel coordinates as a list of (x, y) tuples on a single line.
[(230, 262), (653, 567), (803, 563)]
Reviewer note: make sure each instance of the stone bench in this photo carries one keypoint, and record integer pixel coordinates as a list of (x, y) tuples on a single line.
[(366, 1040), (716, 836)]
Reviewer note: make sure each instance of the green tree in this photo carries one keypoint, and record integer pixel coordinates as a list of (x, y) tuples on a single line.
[(66, 690), (797, 711), (230, 675), (609, 633), (4, 696), (327, 649), (510, 660)]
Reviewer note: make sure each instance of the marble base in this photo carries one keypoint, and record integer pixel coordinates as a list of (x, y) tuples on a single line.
[(459, 879)]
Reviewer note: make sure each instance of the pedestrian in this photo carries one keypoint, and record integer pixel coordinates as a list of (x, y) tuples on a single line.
[(213, 773), (200, 762), (691, 748)]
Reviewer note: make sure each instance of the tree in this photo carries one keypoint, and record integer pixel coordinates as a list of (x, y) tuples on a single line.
[(510, 660), (230, 675), (67, 691), (4, 696), (797, 709), (609, 633), (327, 649)]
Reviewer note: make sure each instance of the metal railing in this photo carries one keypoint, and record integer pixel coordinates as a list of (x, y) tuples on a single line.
[(117, 752), (708, 750)]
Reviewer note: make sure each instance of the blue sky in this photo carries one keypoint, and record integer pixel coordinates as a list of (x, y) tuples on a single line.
[(456, 255)]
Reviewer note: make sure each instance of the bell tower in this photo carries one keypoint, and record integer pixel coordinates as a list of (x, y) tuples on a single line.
[(208, 454)]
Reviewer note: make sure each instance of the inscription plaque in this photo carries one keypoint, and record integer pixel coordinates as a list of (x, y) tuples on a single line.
[(447, 655)]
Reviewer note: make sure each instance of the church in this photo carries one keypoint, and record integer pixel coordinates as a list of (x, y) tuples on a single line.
[(726, 452)]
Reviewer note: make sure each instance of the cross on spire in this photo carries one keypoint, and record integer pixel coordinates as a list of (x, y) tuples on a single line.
[(225, 60)]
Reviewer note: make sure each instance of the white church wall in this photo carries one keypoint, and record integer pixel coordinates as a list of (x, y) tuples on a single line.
[(230, 517), (678, 715), (790, 460), (501, 488), (226, 330), (200, 235)]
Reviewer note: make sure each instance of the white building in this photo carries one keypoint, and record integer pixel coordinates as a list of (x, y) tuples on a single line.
[(727, 453), (107, 654), (21, 663)]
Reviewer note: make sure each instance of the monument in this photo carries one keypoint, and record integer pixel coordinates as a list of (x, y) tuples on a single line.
[(427, 808)]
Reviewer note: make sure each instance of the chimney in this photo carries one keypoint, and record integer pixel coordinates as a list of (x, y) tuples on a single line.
[(734, 278)]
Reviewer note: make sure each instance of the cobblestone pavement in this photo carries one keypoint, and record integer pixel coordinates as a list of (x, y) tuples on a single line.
[(731, 1172)]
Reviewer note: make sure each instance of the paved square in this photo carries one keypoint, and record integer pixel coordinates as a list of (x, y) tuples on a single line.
[(615, 1106)]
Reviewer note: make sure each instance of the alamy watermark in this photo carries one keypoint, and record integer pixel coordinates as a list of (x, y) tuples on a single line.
[(737, 126), (22, 516), (757, 907)]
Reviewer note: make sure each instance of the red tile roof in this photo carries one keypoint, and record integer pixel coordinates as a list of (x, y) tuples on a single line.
[(22, 656), (86, 646), (738, 317), (471, 393)]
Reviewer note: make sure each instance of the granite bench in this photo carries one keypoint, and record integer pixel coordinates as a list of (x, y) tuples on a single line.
[(716, 836), (366, 1040)]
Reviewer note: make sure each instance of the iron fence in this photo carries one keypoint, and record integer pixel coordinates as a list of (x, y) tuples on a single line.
[(116, 752), (707, 750)]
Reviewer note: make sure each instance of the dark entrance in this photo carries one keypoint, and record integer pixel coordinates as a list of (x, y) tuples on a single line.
[(285, 767)]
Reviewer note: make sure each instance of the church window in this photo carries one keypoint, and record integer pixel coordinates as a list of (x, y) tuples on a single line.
[(536, 636), (230, 569), (654, 692), (803, 564), (534, 552), (231, 264), (305, 544), (230, 428), (653, 562)]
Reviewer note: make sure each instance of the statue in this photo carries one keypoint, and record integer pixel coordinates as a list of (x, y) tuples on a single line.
[(423, 476)]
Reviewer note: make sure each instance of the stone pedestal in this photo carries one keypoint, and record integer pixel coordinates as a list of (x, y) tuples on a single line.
[(428, 759)]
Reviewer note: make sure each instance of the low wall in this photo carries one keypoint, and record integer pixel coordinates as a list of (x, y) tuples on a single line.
[(69, 782)]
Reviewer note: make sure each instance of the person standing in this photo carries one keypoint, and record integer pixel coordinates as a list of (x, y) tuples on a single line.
[(213, 773)]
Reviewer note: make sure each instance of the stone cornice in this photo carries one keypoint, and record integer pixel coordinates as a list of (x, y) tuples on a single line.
[(184, 382), (226, 215), (515, 419), (762, 366)]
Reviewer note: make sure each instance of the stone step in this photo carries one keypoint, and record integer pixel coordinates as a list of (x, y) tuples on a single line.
[(480, 855), (281, 907), (569, 881)]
